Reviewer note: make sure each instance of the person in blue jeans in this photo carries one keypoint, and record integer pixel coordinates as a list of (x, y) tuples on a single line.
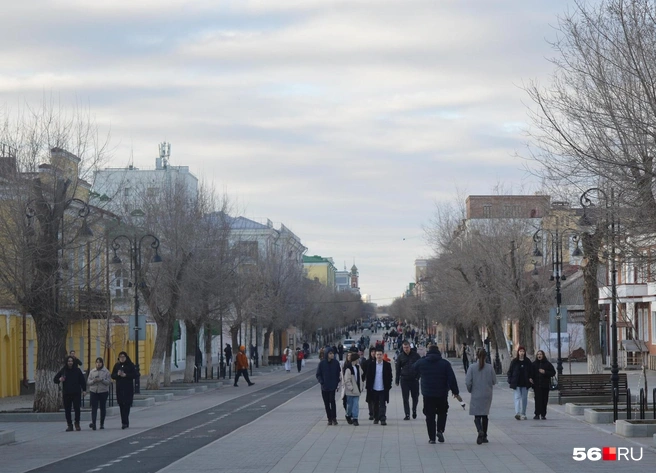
[(353, 386), (519, 379)]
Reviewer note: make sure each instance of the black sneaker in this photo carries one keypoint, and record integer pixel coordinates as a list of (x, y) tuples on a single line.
[(536, 417), (330, 422), (355, 422), (371, 417), (431, 441), (406, 418), (414, 414), (375, 421), (440, 437), (335, 422), (349, 419), (544, 417), (383, 422), (92, 426), (485, 440)]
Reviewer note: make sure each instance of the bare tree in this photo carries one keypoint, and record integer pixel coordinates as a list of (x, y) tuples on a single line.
[(46, 152)]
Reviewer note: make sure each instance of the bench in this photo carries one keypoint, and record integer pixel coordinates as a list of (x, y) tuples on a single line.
[(589, 388)]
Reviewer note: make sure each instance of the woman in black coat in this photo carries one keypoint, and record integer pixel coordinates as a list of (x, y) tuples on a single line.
[(124, 374), (73, 387), (520, 380), (541, 373)]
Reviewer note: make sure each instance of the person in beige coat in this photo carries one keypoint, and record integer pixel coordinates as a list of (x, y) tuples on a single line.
[(353, 387), (98, 386)]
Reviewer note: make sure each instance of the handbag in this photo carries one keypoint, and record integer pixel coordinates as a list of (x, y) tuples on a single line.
[(553, 383), (284, 358), (303, 362)]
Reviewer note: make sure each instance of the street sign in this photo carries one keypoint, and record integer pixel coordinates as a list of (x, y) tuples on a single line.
[(553, 327), (142, 328)]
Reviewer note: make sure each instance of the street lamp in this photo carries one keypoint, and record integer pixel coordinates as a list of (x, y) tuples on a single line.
[(613, 225), (557, 273), (135, 263)]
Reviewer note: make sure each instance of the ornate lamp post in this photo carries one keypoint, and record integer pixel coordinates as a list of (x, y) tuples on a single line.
[(557, 273), (135, 263), (612, 225)]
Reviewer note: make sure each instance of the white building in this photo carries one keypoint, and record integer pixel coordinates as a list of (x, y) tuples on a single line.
[(120, 189)]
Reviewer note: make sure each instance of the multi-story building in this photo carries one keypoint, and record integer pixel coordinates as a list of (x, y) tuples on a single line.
[(122, 190), (321, 269), (346, 280), (506, 206)]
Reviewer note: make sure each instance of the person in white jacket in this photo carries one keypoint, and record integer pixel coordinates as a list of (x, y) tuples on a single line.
[(353, 387), (98, 386)]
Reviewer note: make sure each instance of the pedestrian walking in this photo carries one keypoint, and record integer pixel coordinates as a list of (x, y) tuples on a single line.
[(353, 385), (465, 357), (329, 376), (480, 380), (437, 379), (287, 353), (408, 378), (98, 384), (78, 362), (340, 352), (541, 373), (228, 354), (299, 359), (241, 366), (74, 387), (365, 366), (519, 379), (379, 383), (124, 373)]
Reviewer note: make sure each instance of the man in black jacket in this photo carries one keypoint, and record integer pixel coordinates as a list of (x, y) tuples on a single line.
[(379, 383), (409, 379), (364, 365), (437, 379), (329, 375)]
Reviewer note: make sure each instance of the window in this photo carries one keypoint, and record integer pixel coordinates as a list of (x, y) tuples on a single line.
[(487, 211), (121, 283), (126, 192), (248, 249), (152, 191)]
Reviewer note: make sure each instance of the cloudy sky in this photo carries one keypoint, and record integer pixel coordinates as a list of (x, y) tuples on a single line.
[(345, 120)]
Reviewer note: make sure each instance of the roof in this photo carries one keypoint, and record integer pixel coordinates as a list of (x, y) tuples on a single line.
[(316, 259)]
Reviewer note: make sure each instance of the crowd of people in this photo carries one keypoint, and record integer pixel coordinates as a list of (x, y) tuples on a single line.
[(432, 376)]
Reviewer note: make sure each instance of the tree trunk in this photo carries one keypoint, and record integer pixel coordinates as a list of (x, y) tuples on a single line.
[(526, 331), (265, 346), (207, 336), (500, 343), (168, 363), (234, 333), (161, 340), (191, 338), (51, 351), (591, 245)]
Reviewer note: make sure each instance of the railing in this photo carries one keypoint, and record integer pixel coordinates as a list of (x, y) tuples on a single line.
[(641, 409)]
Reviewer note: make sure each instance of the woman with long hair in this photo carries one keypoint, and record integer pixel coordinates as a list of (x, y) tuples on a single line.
[(520, 380), (541, 373), (480, 380), (73, 387), (124, 374)]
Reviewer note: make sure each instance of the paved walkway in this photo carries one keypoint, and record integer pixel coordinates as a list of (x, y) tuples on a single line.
[(294, 438)]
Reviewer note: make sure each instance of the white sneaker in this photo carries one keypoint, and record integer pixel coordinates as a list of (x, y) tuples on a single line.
[(523, 417)]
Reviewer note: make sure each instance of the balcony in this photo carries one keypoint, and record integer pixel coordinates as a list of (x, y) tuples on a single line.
[(84, 303)]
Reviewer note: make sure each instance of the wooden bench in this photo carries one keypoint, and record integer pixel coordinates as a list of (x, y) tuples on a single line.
[(589, 387)]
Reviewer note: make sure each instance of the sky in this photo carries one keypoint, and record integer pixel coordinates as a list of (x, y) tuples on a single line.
[(347, 121)]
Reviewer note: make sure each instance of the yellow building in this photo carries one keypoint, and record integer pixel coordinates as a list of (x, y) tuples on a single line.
[(97, 320), (320, 269)]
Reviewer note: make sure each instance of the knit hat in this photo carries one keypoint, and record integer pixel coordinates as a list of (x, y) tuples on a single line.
[(242, 348)]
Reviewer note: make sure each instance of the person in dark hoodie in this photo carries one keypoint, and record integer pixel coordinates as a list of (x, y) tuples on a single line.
[(408, 378), (541, 373), (74, 386), (437, 379), (329, 376), (124, 373)]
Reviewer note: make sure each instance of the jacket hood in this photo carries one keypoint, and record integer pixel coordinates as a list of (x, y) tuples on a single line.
[(434, 356)]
